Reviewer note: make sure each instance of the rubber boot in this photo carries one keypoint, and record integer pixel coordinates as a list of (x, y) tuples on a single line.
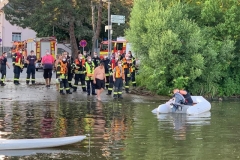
[(74, 89), (120, 96), (68, 91), (115, 96), (61, 92)]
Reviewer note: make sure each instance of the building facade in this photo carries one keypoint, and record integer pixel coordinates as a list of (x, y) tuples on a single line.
[(10, 33)]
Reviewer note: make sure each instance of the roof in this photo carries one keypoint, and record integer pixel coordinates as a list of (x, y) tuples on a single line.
[(3, 3)]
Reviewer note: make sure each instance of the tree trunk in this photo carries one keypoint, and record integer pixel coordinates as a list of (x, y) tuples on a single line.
[(99, 22), (93, 26), (73, 41)]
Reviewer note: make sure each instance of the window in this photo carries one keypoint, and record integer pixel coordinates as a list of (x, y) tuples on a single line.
[(119, 46), (16, 36), (104, 47)]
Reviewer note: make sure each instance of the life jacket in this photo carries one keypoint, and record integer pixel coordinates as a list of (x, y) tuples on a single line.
[(18, 60), (63, 67), (77, 62), (90, 69), (119, 72), (188, 98), (178, 101), (124, 61), (79, 66)]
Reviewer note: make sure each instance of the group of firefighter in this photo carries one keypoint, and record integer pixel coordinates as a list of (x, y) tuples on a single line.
[(119, 68)]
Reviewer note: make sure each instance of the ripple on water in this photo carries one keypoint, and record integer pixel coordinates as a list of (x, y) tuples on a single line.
[(122, 130)]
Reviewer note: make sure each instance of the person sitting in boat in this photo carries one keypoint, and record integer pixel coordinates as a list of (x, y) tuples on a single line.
[(177, 101), (186, 95)]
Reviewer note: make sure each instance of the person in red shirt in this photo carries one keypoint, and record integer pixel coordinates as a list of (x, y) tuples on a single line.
[(18, 67), (79, 71)]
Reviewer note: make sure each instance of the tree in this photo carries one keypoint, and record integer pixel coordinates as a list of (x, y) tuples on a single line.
[(63, 14), (175, 50), (96, 27)]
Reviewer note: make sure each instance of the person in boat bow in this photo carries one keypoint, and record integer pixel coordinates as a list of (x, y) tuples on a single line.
[(186, 95)]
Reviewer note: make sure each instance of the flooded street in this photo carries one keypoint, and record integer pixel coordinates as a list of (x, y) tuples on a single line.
[(118, 129)]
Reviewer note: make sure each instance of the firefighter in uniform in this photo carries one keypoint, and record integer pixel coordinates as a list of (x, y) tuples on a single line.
[(96, 60), (89, 65), (111, 66), (13, 60), (62, 75), (31, 61), (118, 78), (133, 74), (106, 62), (18, 67), (3, 69), (79, 70), (127, 65), (70, 69)]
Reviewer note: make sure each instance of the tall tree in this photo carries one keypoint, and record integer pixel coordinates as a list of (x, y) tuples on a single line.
[(64, 14), (176, 51), (96, 26)]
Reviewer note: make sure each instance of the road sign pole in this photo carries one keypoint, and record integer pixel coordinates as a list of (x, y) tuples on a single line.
[(109, 22), (83, 43)]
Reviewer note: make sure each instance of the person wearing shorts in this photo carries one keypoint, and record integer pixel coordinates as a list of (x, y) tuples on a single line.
[(99, 79), (47, 62)]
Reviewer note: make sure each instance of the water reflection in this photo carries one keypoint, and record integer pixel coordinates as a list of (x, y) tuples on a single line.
[(181, 122), (121, 130), (37, 151)]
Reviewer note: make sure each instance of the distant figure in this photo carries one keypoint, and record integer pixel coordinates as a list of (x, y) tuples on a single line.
[(31, 61), (18, 66), (99, 79), (47, 62), (89, 67), (58, 59), (3, 70), (96, 60), (118, 79), (186, 95)]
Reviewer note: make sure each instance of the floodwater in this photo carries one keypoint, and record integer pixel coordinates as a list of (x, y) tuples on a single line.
[(121, 130)]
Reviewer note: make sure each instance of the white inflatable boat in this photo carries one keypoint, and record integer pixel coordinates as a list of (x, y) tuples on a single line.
[(201, 105), (13, 144)]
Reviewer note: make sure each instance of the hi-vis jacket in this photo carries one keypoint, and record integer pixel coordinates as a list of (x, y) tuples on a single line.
[(118, 72), (89, 70), (79, 66), (18, 59), (62, 70)]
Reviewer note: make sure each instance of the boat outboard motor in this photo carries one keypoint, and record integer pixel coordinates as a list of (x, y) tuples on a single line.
[(179, 100)]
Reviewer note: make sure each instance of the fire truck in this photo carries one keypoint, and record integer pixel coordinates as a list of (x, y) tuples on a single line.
[(121, 44), (39, 45)]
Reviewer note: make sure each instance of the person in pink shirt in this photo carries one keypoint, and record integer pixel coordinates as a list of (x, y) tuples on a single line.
[(47, 63)]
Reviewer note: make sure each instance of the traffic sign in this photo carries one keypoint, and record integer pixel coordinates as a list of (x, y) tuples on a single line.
[(83, 43), (117, 19)]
